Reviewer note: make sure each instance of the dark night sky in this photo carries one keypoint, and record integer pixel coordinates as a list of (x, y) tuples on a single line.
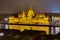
[(12, 6)]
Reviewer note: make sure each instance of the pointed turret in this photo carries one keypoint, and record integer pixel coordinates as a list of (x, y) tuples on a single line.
[(23, 14)]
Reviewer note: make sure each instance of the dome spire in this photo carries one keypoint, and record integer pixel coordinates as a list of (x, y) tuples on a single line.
[(30, 7)]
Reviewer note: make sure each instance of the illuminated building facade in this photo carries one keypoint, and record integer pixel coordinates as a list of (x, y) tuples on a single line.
[(30, 18)]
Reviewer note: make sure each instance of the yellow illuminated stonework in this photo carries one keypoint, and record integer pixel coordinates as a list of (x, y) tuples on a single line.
[(30, 13), (40, 18), (22, 28)]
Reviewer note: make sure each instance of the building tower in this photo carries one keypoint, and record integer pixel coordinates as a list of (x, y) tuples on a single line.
[(23, 14), (30, 13)]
